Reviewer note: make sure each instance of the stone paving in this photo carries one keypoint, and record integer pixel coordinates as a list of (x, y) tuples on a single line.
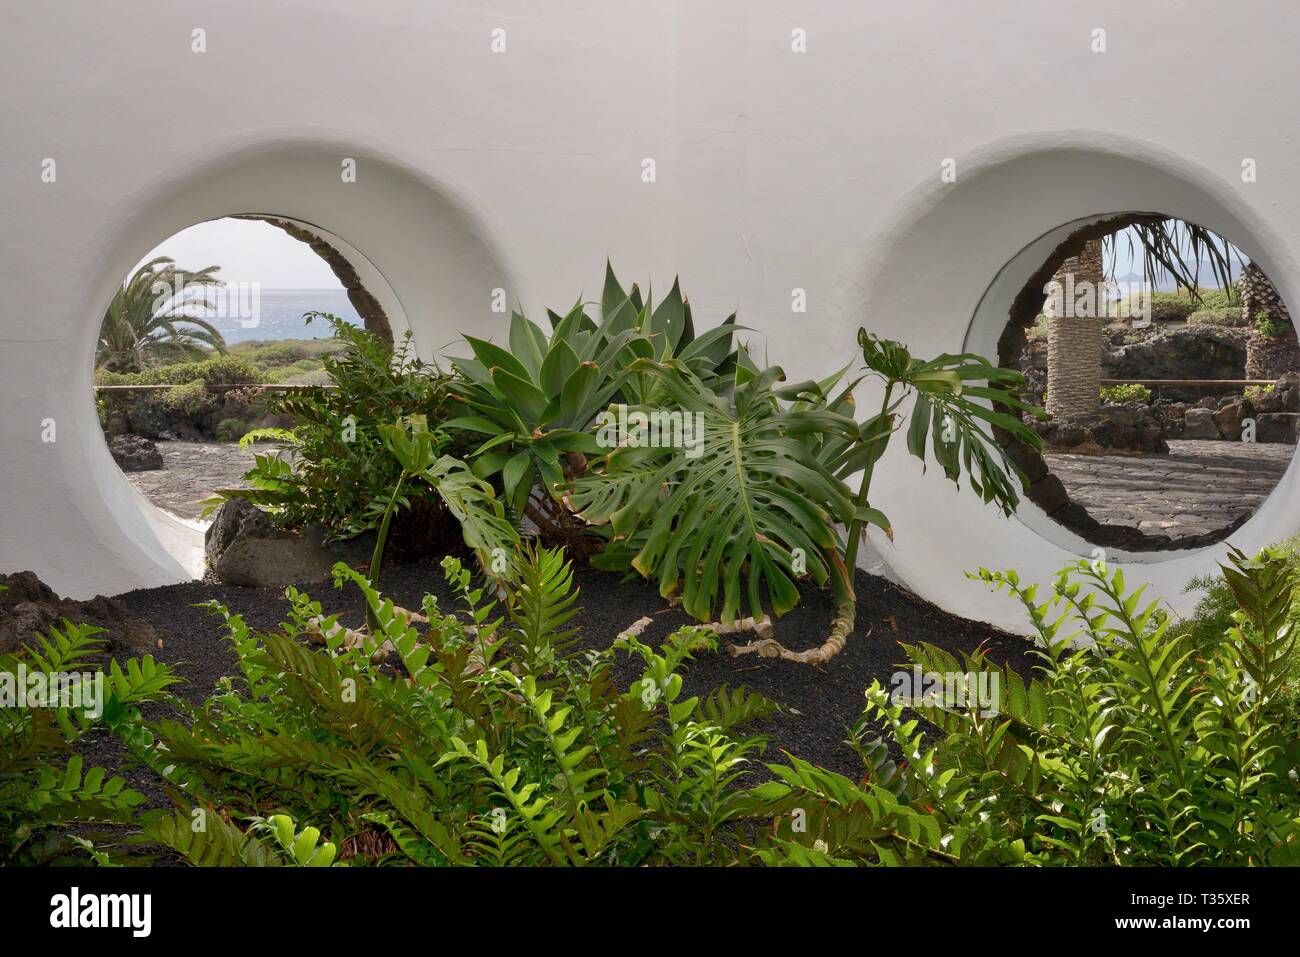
[(1199, 487), (191, 472)]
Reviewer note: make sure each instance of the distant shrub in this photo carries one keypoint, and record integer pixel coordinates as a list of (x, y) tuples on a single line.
[(1270, 327), (190, 399), (1170, 307), (1218, 316), (1177, 306), (230, 430), (223, 369), (1131, 392), (1219, 298)]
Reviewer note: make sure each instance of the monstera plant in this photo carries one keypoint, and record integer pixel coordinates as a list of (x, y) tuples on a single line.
[(741, 490), (755, 500)]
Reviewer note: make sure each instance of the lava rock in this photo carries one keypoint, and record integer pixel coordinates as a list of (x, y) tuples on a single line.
[(244, 547), (1129, 427), (1230, 416), (1186, 352), (1277, 427), (29, 607), (1172, 416), (135, 453), (1200, 423)]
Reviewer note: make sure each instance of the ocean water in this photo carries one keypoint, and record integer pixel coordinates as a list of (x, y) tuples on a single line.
[(277, 314)]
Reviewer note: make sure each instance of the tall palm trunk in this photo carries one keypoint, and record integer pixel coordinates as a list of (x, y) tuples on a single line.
[(1268, 356), (1074, 334)]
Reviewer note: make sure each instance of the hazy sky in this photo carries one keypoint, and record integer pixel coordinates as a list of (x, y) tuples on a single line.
[(248, 251)]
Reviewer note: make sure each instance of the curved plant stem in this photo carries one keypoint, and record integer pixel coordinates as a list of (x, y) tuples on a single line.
[(846, 604)]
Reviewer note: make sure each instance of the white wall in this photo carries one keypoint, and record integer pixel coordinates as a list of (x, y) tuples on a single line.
[(522, 170)]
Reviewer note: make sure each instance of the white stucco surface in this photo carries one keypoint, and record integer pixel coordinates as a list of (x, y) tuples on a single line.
[(522, 170)]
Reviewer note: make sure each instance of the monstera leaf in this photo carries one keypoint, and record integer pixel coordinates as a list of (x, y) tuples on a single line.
[(724, 497), (959, 401)]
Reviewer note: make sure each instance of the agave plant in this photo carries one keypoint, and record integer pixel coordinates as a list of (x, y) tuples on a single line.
[(532, 403), (752, 503), (143, 325)]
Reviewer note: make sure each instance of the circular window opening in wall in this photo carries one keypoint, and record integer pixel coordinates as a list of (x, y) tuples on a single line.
[(1169, 368), (203, 335)]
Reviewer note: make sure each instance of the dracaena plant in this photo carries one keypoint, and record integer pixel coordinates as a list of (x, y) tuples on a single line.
[(418, 450), (530, 403)]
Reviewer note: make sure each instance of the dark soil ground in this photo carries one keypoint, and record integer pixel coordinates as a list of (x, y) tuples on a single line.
[(825, 702)]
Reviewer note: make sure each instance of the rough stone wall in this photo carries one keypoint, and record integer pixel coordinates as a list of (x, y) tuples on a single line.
[(1269, 357)]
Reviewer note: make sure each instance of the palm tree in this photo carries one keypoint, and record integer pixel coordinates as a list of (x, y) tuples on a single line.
[(157, 316), (1074, 341), (1272, 350)]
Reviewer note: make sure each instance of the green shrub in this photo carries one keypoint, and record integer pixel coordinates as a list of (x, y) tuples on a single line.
[(1128, 392), (230, 430), (1180, 751), (485, 746), (45, 790), (190, 399), (335, 470), (1212, 615), (225, 369), (487, 741), (1259, 391), (1130, 750), (1270, 327), (1178, 306), (1219, 316)]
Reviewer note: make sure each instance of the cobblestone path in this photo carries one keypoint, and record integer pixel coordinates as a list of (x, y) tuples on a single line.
[(193, 471), (1198, 487)]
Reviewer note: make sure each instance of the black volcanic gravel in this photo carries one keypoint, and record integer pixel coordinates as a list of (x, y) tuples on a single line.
[(827, 700)]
